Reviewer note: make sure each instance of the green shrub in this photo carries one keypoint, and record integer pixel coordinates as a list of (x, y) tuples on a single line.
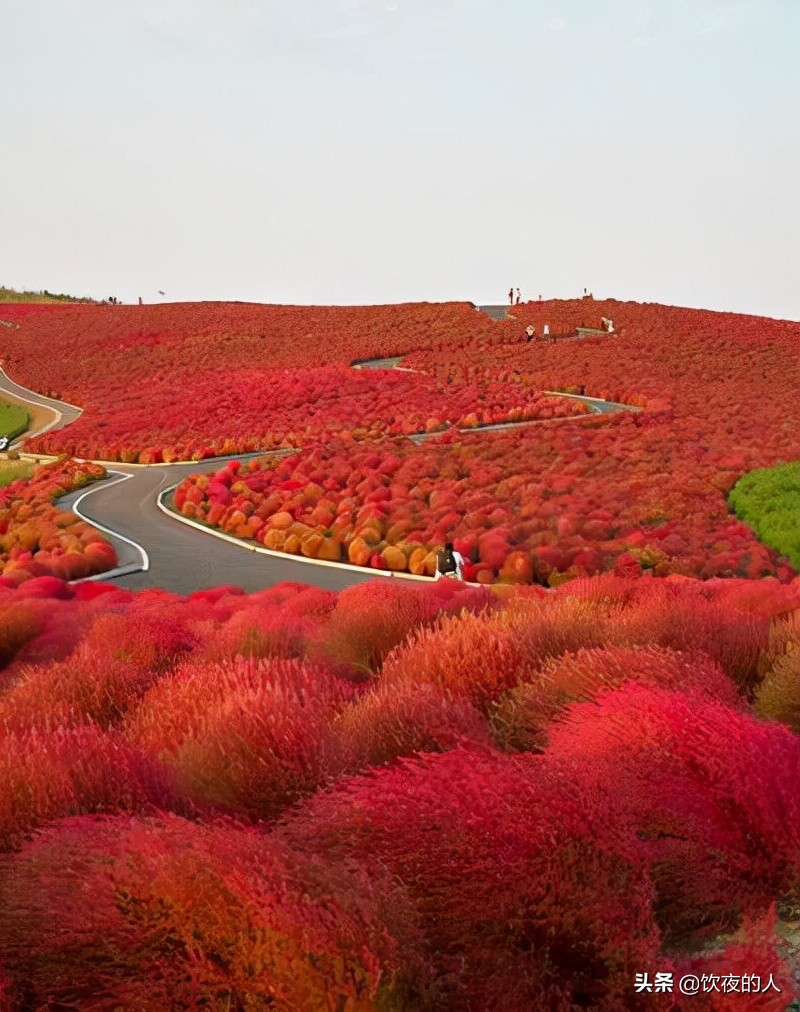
[(769, 502)]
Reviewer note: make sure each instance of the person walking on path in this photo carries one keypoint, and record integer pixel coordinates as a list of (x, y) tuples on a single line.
[(449, 562), (530, 333), (546, 331)]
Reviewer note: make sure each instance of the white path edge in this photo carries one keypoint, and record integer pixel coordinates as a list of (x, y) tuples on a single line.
[(59, 417), (118, 570), (145, 566), (261, 550)]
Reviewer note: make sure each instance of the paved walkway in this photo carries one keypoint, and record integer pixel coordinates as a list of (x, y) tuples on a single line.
[(181, 558), (59, 413), (495, 312), (166, 553), (378, 363)]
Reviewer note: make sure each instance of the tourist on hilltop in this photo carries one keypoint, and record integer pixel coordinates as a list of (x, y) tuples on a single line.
[(530, 333), (449, 562), (511, 296), (519, 296)]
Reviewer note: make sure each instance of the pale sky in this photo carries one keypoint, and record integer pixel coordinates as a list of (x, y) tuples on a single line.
[(368, 151)]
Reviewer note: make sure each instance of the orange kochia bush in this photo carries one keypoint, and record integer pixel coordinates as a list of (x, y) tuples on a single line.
[(37, 539), (577, 499)]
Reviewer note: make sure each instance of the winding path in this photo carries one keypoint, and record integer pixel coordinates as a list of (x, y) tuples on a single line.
[(157, 550), (59, 413)]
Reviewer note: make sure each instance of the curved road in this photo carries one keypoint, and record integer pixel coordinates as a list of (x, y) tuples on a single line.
[(61, 413), (179, 557), (157, 551)]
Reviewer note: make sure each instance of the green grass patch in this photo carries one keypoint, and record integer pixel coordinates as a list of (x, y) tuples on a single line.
[(769, 502), (10, 470), (14, 420)]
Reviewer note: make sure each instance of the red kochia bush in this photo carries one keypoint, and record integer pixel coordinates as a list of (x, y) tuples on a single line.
[(19, 624), (685, 621), (144, 634), (61, 625), (369, 619), (714, 795), (520, 718), (397, 720), (259, 631), (477, 656), (757, 597), (167, 914), (754, 954), (483, 655), (91, 591), (528, 896), (45, 775), (245, 736), (5, 992), (550, 625), (84, 688), (50, 587)]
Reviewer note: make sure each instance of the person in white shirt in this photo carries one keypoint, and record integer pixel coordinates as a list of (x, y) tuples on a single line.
[(449, 563)]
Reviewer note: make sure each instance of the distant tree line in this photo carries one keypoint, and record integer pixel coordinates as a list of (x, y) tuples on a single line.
[(12, 295)]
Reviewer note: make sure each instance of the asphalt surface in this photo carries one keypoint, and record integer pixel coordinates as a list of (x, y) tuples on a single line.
[(163, 551), (61, 412), (495, 312), (379, 363), (181, 558)]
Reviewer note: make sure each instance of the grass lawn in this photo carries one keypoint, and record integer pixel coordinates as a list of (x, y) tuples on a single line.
[(769, 501), (14, 420), (10, 470)]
